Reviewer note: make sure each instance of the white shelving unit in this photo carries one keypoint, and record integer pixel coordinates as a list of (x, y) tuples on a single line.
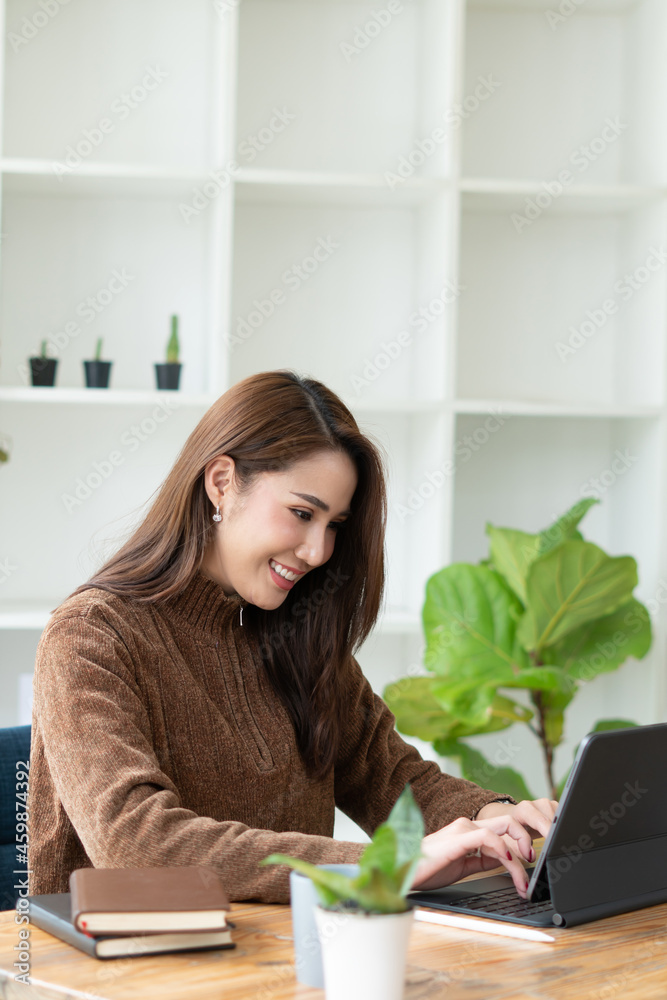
[(375, 204)]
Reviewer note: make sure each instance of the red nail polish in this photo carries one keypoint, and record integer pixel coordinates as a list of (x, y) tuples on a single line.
[(527, 884), (509, 856)]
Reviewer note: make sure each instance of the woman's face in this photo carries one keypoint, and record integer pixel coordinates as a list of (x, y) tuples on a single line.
[(286, 524)]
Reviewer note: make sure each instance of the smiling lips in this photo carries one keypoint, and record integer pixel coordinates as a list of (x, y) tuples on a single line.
[(284, 577)]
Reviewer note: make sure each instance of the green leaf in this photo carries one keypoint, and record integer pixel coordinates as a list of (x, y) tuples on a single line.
[(417, 711), (604, 644), (381, 852), (571, 585), (554, 704), (331, 887), (469, 621), (407, 824), (607, 725), (512, 552), (379, 894), (505, 780), (564, 529)]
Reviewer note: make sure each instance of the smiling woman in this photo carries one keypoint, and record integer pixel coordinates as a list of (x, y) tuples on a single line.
[(197, 701)]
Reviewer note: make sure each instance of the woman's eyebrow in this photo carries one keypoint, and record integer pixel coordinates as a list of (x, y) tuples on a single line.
[(316, 502)]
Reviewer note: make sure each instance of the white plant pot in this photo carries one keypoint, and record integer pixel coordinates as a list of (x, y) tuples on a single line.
[(363, 954)]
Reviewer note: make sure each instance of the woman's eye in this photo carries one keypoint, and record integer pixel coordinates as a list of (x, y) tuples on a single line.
[(303, 515)]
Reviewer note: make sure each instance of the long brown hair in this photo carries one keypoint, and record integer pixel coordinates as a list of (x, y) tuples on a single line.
[(266, 423)]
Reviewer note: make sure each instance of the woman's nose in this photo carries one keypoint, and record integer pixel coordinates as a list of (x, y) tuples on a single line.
[(313, 548)]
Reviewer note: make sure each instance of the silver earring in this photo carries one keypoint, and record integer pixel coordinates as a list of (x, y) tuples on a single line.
[(217, 516)]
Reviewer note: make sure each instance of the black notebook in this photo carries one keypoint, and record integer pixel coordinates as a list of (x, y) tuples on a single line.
[(52, 912)]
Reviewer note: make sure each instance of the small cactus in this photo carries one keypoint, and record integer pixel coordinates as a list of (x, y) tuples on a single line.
[(98, 349), (173, 346), (42, 350)]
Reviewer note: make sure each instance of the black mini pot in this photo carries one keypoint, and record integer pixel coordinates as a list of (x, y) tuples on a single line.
[(97, 374), (168, 375), (43, 371)]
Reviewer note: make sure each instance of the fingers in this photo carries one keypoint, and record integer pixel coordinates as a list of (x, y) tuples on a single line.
[(537, 814), (511, 826), (466, 847), (483, 846)]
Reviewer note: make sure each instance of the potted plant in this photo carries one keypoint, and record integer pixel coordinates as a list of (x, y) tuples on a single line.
[(544, 613), (168, 374), (43, 368), (97, 371), (364, 922)]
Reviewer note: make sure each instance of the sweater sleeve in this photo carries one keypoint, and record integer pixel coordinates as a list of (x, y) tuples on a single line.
[(125, 810), (375, 764)]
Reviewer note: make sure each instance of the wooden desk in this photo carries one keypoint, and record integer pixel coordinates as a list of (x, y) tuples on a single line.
[(613, 959)]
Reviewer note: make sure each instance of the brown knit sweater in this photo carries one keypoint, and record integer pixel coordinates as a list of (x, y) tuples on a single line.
[(157, 740)]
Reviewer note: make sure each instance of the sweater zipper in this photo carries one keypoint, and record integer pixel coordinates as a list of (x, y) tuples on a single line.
[(241, 615)]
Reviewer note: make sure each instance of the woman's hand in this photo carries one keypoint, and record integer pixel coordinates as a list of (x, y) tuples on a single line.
[(465, 846), (536, 815)]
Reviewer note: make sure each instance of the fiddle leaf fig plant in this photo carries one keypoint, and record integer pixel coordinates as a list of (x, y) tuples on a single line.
[(544, 613), (386, 867)]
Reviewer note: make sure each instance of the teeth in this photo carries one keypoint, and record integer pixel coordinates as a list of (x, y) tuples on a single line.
[(286, 573)]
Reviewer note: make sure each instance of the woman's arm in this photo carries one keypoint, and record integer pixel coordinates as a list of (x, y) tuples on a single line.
[(374, 765)]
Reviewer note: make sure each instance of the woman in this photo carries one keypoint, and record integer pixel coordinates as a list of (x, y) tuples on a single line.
[(197, 701)]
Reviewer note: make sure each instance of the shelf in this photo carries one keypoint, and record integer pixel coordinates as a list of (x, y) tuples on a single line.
[(481, 194), (131, 180), (309, 187), (592, 6), (528, 408), (394, 406), (25, 615), (399, 623), (177, 400), (102, 397)]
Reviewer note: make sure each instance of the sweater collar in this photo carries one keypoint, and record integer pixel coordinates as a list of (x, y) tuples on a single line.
[(204, 605)]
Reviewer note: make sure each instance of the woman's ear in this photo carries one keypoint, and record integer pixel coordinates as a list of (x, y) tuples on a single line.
[(218, 478)]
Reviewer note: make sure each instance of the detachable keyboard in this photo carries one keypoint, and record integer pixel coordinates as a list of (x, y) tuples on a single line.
[(504, 902)]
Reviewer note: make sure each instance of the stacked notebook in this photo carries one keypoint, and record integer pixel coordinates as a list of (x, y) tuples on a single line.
[(110, 912)]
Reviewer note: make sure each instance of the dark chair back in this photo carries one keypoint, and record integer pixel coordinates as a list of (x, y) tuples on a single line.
[(14, 750)]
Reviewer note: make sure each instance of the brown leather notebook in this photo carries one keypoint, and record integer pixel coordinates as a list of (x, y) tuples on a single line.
[(148, 900)]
